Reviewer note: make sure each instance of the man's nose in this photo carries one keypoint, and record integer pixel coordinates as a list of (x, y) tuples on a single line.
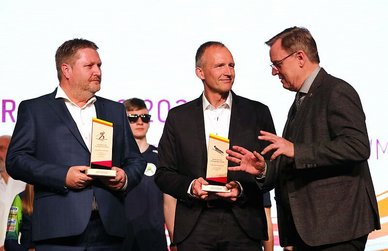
[(97, 70), (228, 70), (274, 71)]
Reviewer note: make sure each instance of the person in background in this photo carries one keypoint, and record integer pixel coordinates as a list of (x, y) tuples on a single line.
[(19, 222), (144, 204), (268, 245), (51, 149), (233, 220), (9, 188), (323, 187), (169, 207)]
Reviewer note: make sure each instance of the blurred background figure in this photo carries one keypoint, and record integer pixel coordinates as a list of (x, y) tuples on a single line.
[(9, 188), (19, 222), (268, 245), (169, 206), (144, 204)]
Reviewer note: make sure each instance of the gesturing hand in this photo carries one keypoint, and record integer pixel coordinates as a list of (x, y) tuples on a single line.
[(250, 162), (279, 145)]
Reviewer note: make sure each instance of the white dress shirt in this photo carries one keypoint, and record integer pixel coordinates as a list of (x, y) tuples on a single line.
[(217, 120)]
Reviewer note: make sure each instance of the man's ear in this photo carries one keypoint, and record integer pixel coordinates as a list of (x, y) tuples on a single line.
[(66, 70), (302, 57), (199, 73)]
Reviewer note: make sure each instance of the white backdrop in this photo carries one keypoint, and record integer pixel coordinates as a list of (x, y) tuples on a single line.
[(148, 47)]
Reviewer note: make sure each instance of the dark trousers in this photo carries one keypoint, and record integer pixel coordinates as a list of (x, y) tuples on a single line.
[(94, 238), (352, 245), (216, 230)]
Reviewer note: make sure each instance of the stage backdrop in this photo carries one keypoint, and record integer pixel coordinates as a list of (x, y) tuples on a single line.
[(148, 47)]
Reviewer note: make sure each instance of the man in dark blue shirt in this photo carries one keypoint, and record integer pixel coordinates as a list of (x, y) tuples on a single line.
[(144, 204)]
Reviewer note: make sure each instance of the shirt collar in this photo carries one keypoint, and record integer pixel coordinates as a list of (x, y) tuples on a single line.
[(207, 106), (309, 81), (61, 94)]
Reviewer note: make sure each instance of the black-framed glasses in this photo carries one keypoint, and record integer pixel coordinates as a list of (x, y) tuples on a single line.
[(132, 118), (277, 64)]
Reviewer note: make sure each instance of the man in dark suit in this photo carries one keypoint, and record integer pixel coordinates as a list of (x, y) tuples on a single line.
[(324, 191), (233, 220), (50, 148)]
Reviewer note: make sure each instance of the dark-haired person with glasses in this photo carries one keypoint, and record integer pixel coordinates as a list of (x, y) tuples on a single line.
[(144, 204), (323, 187)]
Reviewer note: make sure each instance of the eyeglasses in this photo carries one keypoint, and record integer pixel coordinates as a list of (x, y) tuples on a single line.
[(277, 64), (132, 118)]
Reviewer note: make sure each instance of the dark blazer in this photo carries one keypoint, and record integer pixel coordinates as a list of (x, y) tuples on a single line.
[(45, 143), (183, 158), (328, 186)]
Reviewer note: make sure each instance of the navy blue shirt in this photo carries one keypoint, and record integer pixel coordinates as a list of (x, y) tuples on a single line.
[(267, 199), (144, 210)]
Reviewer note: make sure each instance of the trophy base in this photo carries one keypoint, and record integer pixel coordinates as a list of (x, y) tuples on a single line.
[(100, 172), (215, 188)]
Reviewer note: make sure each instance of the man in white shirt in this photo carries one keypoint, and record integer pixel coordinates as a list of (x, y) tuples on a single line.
[(51, 149), (233, 220)]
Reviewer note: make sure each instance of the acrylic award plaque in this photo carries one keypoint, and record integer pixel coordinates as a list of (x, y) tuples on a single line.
[(101, 149), (217, 164)]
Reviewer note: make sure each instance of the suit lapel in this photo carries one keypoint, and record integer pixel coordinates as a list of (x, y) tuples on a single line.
[(100, 111), (298, 120), (290, 117), (235, 117), (60, 109), (200, 134)]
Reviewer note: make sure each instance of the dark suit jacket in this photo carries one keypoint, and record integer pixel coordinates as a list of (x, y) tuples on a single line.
[(328, 186), (183, 157), (45, 143)]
